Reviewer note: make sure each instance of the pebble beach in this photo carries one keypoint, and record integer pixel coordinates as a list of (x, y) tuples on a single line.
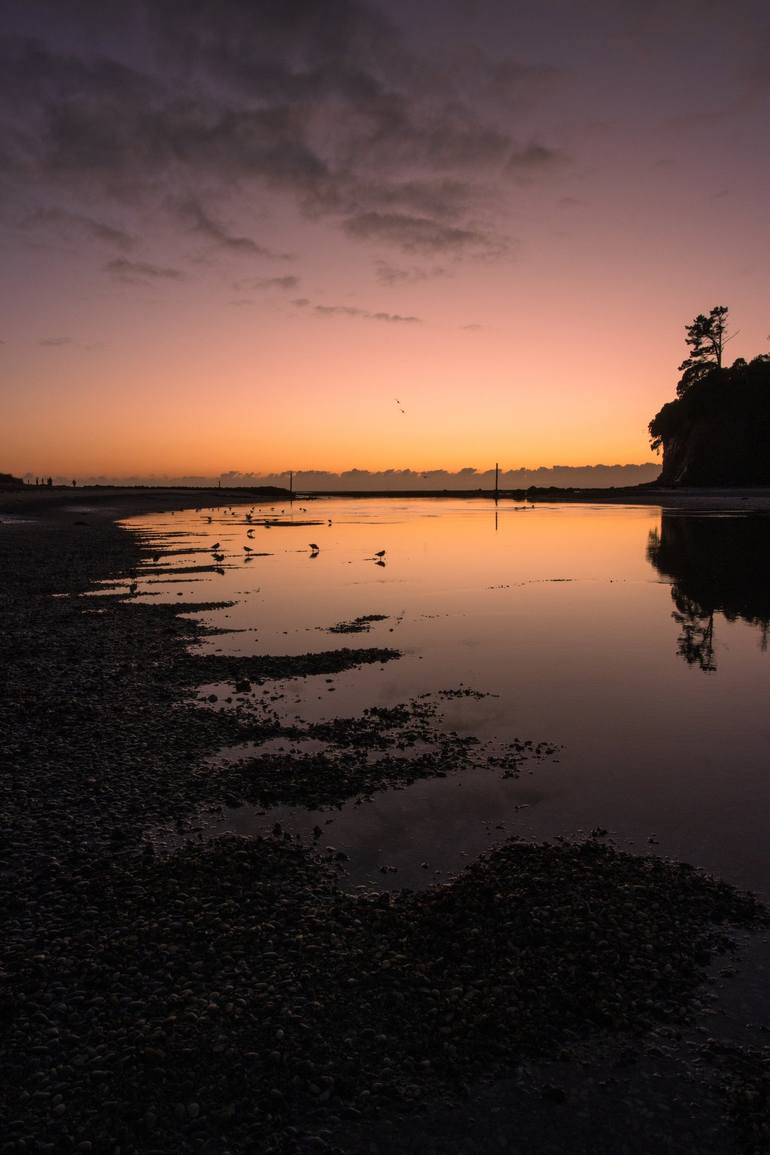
[(231, 995)]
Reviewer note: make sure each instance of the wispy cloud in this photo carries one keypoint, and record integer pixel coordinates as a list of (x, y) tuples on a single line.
[(55, 342), (200, 221), (534, 158), (141, 271), (353, 311), (388, 274), (64, 223), (285, 283), (422, 234)]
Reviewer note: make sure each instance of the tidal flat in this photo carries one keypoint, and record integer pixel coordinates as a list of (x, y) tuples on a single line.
[(254, 992)]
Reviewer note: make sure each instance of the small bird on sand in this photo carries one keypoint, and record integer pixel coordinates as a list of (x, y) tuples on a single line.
[(215, 545), (315, 548), (247, 549), (249, 533), (380, 553)]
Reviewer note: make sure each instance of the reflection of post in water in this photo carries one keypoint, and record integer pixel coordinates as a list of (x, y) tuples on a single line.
[(718, 564)]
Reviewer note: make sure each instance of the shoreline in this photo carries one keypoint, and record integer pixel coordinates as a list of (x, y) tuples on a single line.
[(351, 1020), (113, 502)]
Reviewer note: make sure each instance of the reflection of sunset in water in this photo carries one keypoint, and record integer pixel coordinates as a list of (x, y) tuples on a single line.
[(558, 612)]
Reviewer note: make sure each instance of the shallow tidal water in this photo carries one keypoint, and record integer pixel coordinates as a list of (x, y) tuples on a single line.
[(631, 639)]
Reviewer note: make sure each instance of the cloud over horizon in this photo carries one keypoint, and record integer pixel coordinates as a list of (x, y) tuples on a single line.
[(365, 480)]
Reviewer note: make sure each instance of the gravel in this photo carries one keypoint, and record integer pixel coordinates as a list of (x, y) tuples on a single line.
[(231, 996)]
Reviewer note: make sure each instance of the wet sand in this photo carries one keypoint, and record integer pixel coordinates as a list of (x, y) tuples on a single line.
[(231, 997)]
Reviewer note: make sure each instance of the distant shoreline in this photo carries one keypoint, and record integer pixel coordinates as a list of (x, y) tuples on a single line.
[(114, 502)]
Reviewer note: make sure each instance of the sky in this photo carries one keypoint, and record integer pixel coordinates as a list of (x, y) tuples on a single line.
[(242, 236)]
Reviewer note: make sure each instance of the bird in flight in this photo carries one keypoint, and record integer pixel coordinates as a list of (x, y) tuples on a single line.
[(399, 404)]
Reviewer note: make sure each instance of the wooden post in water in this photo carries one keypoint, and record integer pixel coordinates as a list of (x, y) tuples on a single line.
[(497, 478), (291, 485)]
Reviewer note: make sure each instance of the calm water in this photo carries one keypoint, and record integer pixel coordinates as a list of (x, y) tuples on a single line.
[(632, 638)]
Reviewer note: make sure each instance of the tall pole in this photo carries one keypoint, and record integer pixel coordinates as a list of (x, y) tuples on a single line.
[(291, 485), (497, 478)]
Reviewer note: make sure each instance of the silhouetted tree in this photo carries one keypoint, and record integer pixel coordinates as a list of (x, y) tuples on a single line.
[(707, 337)]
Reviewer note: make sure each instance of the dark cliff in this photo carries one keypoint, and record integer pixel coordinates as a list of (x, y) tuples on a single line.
[(718, 432)]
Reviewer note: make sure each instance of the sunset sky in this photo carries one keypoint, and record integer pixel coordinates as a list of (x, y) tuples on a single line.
[(234, 233)]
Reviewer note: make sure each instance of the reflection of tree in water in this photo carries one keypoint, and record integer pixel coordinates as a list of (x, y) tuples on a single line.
[(718, 565)]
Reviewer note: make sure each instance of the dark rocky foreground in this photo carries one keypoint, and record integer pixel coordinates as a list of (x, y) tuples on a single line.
[(233, 997)]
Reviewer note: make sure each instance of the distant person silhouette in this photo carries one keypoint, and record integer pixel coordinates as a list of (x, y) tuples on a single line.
[(74, 483), (49, 482)]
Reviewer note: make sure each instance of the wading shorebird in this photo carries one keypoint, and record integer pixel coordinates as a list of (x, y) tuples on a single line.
[(215, 545), (380, 553), (315, 548)]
